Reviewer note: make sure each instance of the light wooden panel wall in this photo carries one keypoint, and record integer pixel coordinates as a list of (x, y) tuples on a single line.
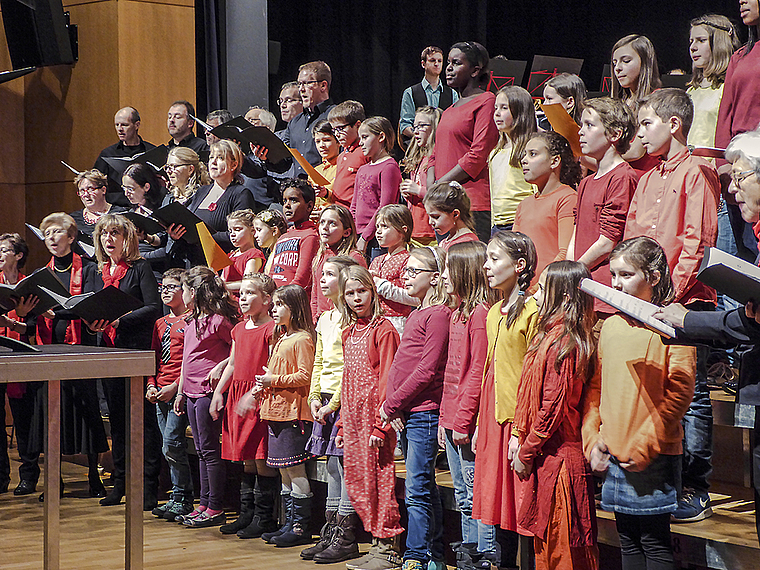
[(131, 52)]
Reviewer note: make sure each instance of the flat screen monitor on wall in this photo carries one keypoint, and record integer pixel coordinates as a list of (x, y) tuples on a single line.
[(37, 33)]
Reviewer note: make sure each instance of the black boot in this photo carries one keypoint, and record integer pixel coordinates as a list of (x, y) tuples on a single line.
[(300, 530), (264, 523), (93, 477), (325, 536), (115, 496), (247, 503), (343, 545)]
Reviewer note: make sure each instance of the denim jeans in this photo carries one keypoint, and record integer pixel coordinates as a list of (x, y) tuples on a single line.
[(173, 429), (462, 465), (419, 442), (698, 424)]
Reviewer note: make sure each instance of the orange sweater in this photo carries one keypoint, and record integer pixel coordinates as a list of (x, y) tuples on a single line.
[(645, 388), (291, 363)]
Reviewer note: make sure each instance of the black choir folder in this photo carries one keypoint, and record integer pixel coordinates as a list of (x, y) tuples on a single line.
[(40, 283), (630, 305), (143, 223), (730, 275), (176, 213), (107, 304)]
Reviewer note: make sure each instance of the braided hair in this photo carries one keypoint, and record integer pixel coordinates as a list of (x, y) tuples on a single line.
[(518, 246)]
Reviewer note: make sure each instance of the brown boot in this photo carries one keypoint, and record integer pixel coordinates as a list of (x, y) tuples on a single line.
[(325, 537), (387, 556), (343, 545)]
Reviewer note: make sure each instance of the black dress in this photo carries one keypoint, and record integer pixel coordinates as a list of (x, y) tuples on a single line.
[(82, 429)]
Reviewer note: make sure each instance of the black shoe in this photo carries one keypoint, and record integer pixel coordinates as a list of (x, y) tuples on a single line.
[(42, 495), (25, 488), (97, 489), (112, 498)]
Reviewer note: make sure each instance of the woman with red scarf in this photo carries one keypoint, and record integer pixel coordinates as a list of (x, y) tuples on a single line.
[(120, 265), (21, 396), (81, 425)]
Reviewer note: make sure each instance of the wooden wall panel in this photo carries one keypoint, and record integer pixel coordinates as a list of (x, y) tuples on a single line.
[(150, 80), (131, 52)]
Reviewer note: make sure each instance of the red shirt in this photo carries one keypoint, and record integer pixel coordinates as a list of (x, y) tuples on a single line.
[(415, 380), (349, 162), (422, 227), (468, 347), (168, 372), (676, 204), (466, 135), (739, 107), (601, 210), (462, 238), (235, 272), (293, 254)]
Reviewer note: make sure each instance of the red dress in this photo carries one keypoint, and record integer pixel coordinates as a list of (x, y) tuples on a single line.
[(391, 267), (245, 437), (235, 272), (557, 504), (369, 473)]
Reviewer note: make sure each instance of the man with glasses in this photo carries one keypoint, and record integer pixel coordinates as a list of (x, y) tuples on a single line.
[(430, 91), (314, 80), (127, 123)]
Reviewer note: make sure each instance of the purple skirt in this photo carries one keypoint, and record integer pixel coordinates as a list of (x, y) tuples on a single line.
[(287, 443), (322, 440)]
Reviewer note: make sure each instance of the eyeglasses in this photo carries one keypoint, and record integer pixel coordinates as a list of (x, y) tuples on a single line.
[(89, 190), (168, 288), (173, 167), (288, 101), (340, 128), (420, 127), (305, 83), (415, 271), (738, 177)]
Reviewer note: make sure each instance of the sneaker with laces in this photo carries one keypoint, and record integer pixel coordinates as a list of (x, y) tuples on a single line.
[(178, 509), (694, 506), (413, 565), (161, 511)]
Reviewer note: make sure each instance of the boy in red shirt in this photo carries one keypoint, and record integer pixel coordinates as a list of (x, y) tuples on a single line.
[(345, 119), (168, 342), (607, 127), (295, 250), (676, 204)]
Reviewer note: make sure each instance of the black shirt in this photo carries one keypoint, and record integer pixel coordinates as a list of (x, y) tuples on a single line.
[(195, 143), (114, 194)]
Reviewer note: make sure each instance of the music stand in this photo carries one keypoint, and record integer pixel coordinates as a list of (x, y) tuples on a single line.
[(606, 85), (505, 72), (545, 67)]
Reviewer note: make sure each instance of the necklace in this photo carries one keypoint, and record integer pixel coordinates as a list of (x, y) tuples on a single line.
[(65, 269), (365, 331)]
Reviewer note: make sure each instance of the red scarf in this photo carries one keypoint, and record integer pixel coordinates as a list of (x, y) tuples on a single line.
[(74, 330), (109, 335)]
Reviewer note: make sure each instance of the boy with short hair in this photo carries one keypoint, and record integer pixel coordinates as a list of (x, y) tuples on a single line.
[(676, 204), (607, 127), (168, 342), (345, 119), (294, 252)]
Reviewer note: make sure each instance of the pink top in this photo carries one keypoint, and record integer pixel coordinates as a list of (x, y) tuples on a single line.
[(462, 238), (376, 185), (739, 107), (415, 380), (466, 135), (200, 355)]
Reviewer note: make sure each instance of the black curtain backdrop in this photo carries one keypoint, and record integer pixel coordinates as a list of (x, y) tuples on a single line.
[(373, 47), (210, 57)]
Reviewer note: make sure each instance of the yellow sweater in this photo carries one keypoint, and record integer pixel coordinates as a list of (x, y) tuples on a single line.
[(637, 402), (506, 350)]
